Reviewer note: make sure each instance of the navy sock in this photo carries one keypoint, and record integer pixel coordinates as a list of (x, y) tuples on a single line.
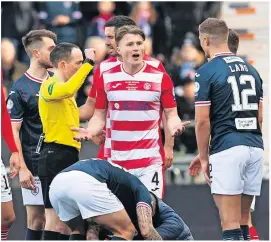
[(33, 234), (232, 234), (77, 237), (117, 238), (50, 235), (245, 230)]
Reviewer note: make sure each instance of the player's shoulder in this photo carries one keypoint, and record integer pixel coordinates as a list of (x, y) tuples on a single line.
[(110, 59), (152, 69), (113, 70), (151, 61), (107, 64), (21, 83)]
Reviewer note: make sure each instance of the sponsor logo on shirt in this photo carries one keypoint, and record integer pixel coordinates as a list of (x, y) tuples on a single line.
[(115, 86), (197, 75)]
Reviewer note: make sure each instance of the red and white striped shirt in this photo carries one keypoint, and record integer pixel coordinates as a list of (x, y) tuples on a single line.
[(104, 152), (135, 104)]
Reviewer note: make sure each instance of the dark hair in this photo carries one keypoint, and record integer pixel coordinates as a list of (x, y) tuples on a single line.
[(233, 41), (128, 30), (61, 52), (33, 39), (119, 21)]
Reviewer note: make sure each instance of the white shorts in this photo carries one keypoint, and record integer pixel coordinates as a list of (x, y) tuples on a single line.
[(6, 195), (75, 192), (152, 177), (237, 170), (33, 197)]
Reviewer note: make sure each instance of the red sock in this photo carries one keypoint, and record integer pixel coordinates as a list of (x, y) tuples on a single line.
[(4, 232), (253, 233)]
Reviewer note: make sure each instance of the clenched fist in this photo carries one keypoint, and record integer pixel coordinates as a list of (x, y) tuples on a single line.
[(90, 53)]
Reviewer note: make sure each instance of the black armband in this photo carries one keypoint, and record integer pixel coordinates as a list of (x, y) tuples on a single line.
[(91, 62)]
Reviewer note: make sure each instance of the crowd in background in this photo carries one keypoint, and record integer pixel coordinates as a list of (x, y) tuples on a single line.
[(170, 29)]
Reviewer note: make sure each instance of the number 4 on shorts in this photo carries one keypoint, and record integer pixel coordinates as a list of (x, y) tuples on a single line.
[(155, 178)]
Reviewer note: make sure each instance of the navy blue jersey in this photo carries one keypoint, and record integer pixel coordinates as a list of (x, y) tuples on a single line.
[(233, 88), (127, 188), (22, 105)]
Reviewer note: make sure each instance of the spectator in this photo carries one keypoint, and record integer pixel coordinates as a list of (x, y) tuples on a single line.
[(182, 69), (18, 18), (12, 68), (61, 18), (145, 16), (106, 9)]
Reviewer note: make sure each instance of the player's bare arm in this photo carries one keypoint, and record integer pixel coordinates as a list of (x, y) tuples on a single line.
[(144, 217), (95, 126), (174, 123), (202, 120), (169, 143), (25, 176), (86, 111)]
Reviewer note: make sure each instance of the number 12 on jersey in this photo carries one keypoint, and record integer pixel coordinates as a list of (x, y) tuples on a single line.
[(245, 93)]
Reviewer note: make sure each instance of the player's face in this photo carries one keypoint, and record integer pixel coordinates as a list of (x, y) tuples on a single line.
[(110, 41), (45, 50), (71, 67), (131, 49), (204, 43)]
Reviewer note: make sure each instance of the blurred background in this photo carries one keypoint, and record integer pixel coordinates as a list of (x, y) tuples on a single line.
[(172, 37)]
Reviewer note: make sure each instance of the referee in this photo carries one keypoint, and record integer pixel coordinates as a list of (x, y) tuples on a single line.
[(59, 112)]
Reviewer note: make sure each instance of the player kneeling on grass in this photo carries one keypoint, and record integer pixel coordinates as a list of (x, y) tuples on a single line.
[(115, 199)]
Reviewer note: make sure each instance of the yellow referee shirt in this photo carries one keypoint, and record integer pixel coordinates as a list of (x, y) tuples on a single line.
[(58, 109)]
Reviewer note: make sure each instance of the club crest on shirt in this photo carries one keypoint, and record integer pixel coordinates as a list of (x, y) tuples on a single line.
[(197, 87), (10, 104), (147, 86), (35, 192)]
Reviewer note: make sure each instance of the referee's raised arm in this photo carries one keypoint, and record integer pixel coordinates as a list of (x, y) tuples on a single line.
[(59, 112), (54, 89)]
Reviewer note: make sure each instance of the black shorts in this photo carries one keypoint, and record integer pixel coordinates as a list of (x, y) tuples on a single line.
[(53, 159)]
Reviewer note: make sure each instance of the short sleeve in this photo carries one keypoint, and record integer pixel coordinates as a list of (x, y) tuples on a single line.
[(167, 92), (96, 77), (161, 67), (202, 89), (101, 100), (15, 106)]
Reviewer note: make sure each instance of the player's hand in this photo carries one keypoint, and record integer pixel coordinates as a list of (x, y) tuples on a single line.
[(177, 128), (195, 166), (205, 170), (90, 54), (14, 162), (82, 134), (99, 139), (26, 179), (168, 156)]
